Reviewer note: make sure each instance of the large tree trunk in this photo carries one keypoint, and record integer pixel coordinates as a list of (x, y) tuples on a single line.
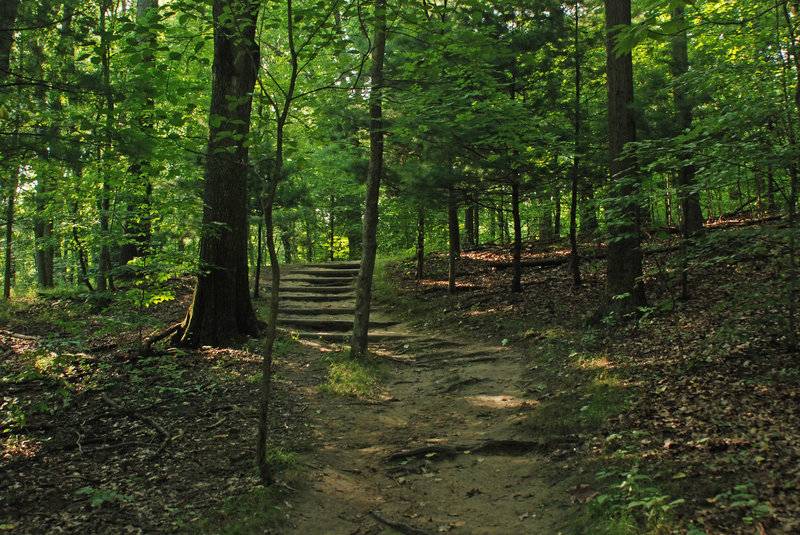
[(221, 309), (624, 291), (44, 252), (358, 348), (573, 206), (8, 20), (692, 221), (690, 200)]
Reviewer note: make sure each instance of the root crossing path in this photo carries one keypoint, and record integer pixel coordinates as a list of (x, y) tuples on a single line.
[(445, 447)]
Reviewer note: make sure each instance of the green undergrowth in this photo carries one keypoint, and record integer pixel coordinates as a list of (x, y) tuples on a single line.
[(351, 377), (259, 511)]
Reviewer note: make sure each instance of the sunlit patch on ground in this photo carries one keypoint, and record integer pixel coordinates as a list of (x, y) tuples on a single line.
[(499, 401)]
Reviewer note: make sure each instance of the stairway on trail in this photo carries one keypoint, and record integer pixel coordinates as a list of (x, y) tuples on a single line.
[(317, 302)]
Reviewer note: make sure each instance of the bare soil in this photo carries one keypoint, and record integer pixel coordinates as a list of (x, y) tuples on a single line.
[(442, 449)]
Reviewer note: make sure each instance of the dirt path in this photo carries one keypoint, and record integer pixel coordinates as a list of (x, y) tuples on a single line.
[(444, 449)]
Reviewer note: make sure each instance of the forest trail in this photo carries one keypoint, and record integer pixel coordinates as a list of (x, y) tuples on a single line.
[(443, 447)]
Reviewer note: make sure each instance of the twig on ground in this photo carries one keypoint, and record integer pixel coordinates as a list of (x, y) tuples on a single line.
[(157, 426)]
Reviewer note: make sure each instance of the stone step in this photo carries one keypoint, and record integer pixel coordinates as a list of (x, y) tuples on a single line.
[(319, 281), (329, 325), (315, 289), (315, 311), (334, 265), (344, 337), (325, 273), (329, 298)]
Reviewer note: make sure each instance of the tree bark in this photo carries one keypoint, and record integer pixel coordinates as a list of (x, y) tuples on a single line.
[(545, 221), (624, 290), (8, 20), (557, 212), (310, 220), (476, 222), (453, 245), (332, 235), (44, 252), (9, 268), (358, 348), (221, 309), (469, 226), (692, 220), (516, 248), (259, 260), (501, 218), (420, 245), (574, 264), (286, 241), (689, 199)]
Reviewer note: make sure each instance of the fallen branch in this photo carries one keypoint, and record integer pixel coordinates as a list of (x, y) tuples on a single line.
[(561, 260), (399, 526), (148, 343), (157, 426), (19, 336)]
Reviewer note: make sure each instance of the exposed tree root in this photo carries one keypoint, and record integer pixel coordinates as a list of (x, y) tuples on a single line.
[(398, 526), (491, 447), (148, 343)]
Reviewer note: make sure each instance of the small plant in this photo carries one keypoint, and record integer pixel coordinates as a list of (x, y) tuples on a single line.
[(97, 497), (741, 497), (255, 512), (636, 497), (12, 415)]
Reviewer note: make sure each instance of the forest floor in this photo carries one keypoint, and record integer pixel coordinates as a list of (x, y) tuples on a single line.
[(501, 413)]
